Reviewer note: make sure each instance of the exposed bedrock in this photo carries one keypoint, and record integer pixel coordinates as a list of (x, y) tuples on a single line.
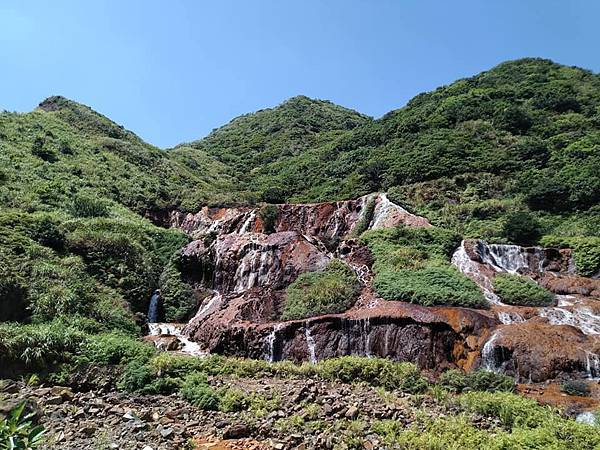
[(246, 272), (433, 338), (325, 221)]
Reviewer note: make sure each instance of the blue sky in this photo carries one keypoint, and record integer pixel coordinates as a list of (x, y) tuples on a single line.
[(173, 70)]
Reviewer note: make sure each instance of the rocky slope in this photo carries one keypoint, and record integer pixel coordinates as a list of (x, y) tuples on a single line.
[(247, 269)]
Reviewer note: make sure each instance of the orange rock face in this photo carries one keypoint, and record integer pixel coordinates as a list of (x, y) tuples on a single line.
[(248, 272)]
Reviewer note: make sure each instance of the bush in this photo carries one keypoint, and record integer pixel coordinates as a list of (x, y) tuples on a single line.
[(315, 293), (39, 346), (233, 400), (430, 286), (87, 204), (513, 410), (521, 228), (375, 371), (575, 387), (115, 348), (136, 376), (519, 290), (268, 215), (178, 298), (196, 390), (412, 265), (478, 380)]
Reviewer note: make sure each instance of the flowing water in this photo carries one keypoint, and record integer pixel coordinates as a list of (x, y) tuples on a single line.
[(488, 354), (153, 308), (472, 269), (176, 330), (509, 318), (310, 343), (271, 342)]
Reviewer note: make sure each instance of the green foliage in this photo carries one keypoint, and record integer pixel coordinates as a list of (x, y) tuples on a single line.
[(412, 265), (233, 400), (478, 380), (586, 251), (113, 348), (268, 215), (522, 228), (316, 293), (178, 298), (513, 410), (519, 290), (378, 372), (575, 387), (17, 431), (196, 390), (88, 205), (40, 346)]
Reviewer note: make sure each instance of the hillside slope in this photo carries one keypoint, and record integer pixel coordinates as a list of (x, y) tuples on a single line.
[(523, 137)]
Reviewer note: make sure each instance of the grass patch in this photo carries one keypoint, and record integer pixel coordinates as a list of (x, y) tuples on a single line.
[(412, 265), (519, 290), (315, 293)]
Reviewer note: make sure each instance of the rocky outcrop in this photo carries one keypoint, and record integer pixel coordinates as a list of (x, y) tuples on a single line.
[(325, 221), (246, 271)]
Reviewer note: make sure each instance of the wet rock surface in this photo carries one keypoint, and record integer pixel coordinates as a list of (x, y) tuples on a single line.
[(246, 269)]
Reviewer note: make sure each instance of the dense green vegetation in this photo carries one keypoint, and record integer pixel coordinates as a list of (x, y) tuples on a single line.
[(315, 293), (511, 154), (523, 424), (412, 265), (518, 290)]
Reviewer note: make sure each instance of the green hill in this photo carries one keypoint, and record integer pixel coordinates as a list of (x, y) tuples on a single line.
[(510, 155)]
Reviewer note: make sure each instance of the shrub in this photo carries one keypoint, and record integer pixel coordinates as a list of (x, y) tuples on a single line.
[(375, 371), (178, 298), (17, 431), (430, 286), (115, 348), (478, 380), (136, 376), (316, 293), (233, 400), (522, 228), (411, 265), (268, 215), (87, 204), (575, 387), (196, 390), (513, 410), (39, 346), (519, 290)]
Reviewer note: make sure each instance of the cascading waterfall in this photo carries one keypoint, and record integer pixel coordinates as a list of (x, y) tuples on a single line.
[(271, 342), (248, 222), (592, 365), (176, 330), (310, 344), (153, 308), (508, 318), (581, 317), (471, 268), (503, 257), (488, 354), (366, 331)]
